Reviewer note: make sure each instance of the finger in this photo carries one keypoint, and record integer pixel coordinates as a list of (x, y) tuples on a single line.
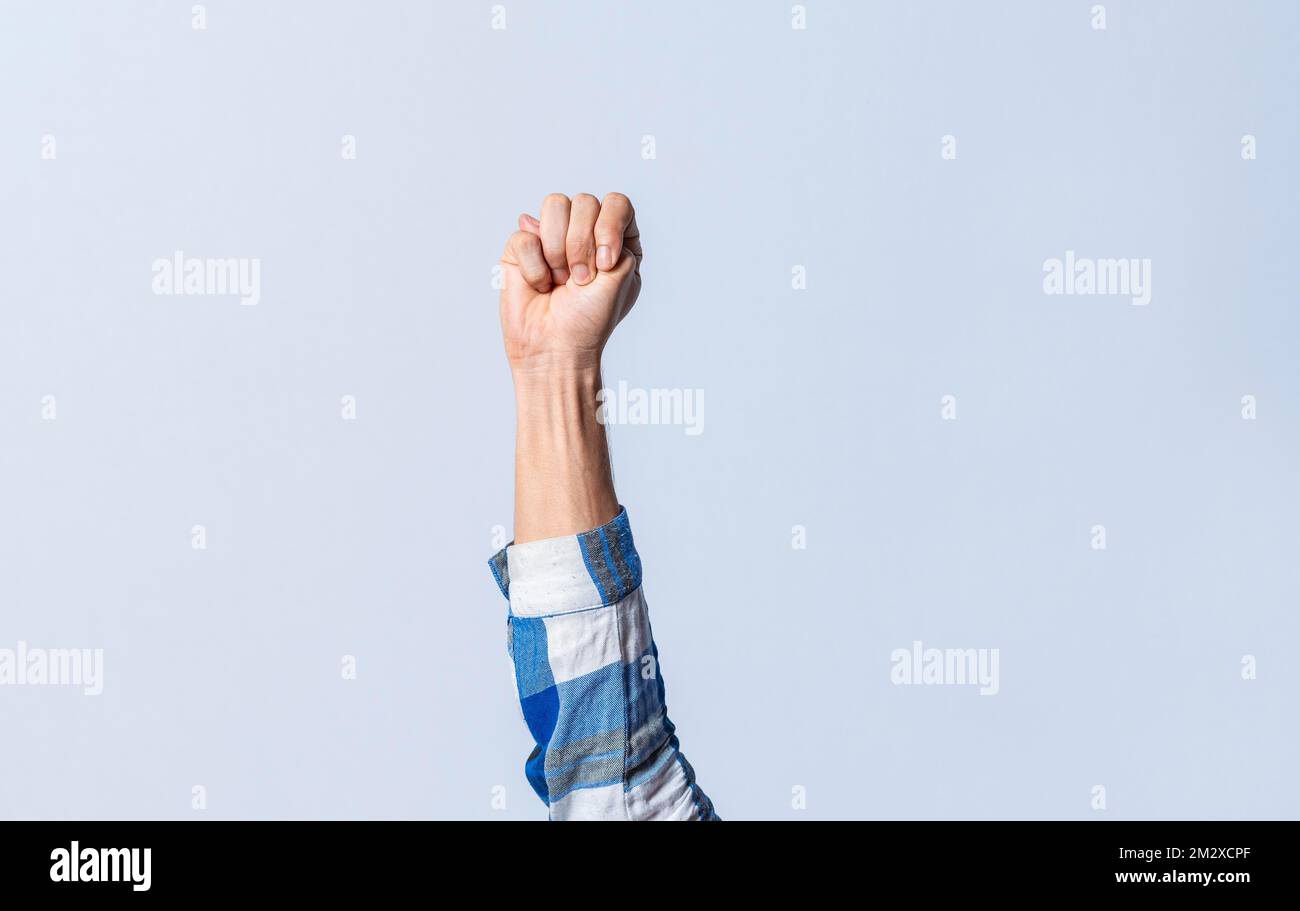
[(530, 224), (578, 245), (616, 216), (632, 242), (525, 251), (554, 226)]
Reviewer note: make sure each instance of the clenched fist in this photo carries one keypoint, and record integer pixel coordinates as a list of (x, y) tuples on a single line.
[(570, 276)]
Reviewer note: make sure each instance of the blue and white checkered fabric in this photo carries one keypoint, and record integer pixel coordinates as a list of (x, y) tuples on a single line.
[(589, 682)]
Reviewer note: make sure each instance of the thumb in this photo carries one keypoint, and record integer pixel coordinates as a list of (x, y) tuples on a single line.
[(610, 280), (621, 285)]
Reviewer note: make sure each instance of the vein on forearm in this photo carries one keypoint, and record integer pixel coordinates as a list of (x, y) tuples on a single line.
[(563, 482)]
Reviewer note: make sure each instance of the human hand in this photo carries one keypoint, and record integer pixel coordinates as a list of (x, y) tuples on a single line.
[(570, 277)]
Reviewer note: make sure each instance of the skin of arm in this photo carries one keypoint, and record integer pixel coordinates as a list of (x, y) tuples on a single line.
[(571, 275)]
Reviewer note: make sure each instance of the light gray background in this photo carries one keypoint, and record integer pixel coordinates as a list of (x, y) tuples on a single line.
[(776, 147)]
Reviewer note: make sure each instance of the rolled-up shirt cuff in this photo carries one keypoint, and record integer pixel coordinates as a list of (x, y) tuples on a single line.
[(576, 572)]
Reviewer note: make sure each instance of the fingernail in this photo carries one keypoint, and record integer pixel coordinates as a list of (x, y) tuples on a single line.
[(604, 258), (581, 273)]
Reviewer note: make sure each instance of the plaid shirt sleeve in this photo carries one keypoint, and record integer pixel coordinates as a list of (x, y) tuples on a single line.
[(588, 676)]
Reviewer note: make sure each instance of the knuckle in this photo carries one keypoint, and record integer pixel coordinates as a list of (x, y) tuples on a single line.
[(555, 199), (524, 242), (586, 200), (617, 200)]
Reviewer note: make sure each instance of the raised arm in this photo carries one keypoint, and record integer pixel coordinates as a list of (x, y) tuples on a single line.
[(585, 661)]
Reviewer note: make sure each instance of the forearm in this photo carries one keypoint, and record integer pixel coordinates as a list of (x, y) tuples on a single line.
[(585, 660), (563, 482)]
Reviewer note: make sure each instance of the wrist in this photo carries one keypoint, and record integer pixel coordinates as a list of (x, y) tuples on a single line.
[(548, 379), (558, 410)]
